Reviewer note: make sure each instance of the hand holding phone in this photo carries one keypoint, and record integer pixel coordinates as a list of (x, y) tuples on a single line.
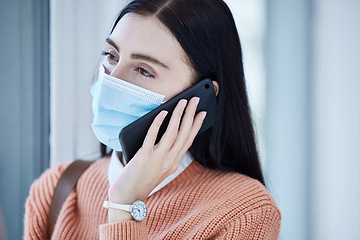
[(132, 136), (152, 162)]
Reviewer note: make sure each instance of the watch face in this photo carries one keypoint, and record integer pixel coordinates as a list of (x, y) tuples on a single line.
[(138, 210)]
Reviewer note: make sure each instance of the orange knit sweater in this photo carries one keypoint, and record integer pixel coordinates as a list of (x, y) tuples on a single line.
[(198, 204)]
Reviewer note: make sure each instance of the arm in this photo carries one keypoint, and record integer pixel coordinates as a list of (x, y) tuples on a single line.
[(261, 223), (38, 202), (149, 167), (155, 162)]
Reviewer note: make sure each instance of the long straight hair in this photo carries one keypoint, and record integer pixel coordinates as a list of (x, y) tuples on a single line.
[(206, 31)]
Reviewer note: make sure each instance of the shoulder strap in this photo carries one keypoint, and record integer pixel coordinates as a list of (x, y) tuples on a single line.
[(62, 190)]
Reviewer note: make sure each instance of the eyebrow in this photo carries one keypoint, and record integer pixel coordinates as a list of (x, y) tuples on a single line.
[(148, 58), (111, 42), (138, 55)]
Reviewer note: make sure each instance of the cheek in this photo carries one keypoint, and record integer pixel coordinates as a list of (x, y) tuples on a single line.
[(108, 67), (178, 81), (175, 88)]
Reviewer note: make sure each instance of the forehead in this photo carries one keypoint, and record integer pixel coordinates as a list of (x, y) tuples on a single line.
[(147, 35)]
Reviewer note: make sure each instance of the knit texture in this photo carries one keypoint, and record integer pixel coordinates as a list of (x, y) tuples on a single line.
[(198, 204)]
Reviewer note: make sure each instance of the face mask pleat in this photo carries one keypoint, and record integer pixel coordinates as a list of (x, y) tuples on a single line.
[(116, 104)]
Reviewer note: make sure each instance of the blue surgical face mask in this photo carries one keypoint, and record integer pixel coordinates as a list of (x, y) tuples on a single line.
[(116, 104)]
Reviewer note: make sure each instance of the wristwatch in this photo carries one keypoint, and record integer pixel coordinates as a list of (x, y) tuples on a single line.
[(137, 210)]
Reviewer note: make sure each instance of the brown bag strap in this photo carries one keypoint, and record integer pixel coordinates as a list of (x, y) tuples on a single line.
[(62, 190)]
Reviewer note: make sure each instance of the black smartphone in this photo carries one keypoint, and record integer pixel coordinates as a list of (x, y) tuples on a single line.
[(132, 136)]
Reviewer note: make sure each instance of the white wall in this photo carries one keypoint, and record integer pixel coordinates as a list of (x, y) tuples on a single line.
[(336, 116), (313, 117), (288, 108), (78, 32)]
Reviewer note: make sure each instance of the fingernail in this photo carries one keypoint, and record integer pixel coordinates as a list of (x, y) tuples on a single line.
[(164, 113), (184, 102), (203, 115), (197, 100)]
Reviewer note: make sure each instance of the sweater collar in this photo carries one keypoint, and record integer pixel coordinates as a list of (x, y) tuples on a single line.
[(115, 168)]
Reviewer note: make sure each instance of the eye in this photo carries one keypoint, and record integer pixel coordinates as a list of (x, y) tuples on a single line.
[(144, 72), (109, 55)]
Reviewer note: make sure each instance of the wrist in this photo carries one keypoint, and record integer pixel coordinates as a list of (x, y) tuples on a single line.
[(116, 215), (122, 200), (121, 196), (137, 210)]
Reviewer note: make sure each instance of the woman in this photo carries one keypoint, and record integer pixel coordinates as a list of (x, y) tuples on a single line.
[(208, 186)]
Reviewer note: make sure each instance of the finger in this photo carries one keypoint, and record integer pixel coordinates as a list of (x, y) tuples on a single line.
[(171, 132), (186, 124), (152, 133), (198, 121)]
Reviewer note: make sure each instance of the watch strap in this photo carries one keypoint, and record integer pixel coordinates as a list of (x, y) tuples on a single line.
[(108, 204)]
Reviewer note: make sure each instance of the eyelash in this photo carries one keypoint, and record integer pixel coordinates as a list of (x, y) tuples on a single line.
[(141, 71), (138, 69), (109, 55)]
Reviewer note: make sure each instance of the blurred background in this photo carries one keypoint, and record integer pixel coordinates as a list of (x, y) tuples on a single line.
[(302, 64)]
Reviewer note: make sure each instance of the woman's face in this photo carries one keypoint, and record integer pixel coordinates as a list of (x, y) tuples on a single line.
[(143, 52)]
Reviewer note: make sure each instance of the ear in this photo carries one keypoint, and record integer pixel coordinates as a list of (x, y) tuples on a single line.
[(216, 87)]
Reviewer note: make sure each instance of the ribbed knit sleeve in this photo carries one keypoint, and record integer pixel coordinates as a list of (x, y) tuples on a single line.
[(265, 223), (262, 223), (38, 202), (129, 230)]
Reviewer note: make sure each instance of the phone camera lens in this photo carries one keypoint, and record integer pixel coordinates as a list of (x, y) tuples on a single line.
[(207, 86)]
